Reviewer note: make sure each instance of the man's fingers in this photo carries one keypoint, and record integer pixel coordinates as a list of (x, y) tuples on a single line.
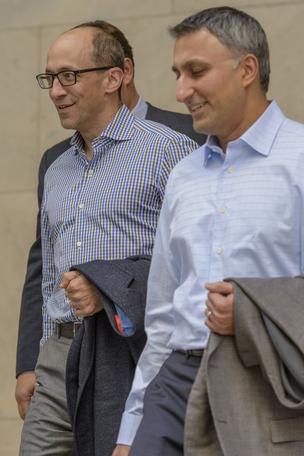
[(25, 387), (67, 277), (209, 309), (219, 287), (219, 304), (23, 407), (215, 300), (86, 308), (121, 450)]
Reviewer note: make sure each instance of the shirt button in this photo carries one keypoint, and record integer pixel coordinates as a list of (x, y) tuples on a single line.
[(90, 173), (219, 250), (230, 170), (78, 243), (222, 210), (80, 205)]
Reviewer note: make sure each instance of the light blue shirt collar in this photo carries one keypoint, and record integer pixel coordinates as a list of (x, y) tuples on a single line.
[(140, 110), (259, 137)]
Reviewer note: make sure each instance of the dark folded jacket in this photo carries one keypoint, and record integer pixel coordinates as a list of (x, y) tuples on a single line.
[(101, 362)]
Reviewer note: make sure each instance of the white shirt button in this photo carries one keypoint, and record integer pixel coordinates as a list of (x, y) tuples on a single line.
[(90, 173), (230, 170), (78, 243), (222, 210), (80, 205), (219, 250)]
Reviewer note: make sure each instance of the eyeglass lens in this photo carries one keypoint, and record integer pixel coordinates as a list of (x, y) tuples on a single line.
[(65, 78)]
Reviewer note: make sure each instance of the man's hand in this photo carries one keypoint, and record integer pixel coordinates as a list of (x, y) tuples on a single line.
[(83, 296), (121, 450), (219, 311), (25, 387)]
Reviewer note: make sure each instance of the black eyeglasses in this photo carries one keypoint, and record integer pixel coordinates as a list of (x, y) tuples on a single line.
[(65, 77)]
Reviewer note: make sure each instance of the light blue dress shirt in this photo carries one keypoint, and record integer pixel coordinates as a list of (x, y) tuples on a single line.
[(235, 214)]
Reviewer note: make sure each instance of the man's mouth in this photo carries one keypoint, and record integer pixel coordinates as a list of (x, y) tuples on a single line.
[(196, 107), (63, 107)]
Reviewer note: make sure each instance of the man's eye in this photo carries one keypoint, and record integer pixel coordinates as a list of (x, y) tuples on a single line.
[(68, 76), (46, 77), (198, 73)]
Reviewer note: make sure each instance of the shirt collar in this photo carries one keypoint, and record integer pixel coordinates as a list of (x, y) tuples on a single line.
[(119, 129), (140, 110), (259, 137), (211, 146)]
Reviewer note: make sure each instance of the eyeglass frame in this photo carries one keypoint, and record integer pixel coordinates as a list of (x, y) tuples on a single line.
[(75, 72)]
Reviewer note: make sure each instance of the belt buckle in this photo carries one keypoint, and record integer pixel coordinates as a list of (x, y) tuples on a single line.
[(196, 352)]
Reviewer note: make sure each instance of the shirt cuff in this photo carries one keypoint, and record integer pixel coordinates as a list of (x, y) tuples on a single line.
[(128, 428)]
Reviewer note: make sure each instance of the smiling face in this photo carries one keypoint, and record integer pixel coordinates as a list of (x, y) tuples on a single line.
[(210, 83), (82, 105)]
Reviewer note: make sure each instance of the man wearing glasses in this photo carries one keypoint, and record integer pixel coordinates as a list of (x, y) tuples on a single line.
[(101, 200), (30, 324)]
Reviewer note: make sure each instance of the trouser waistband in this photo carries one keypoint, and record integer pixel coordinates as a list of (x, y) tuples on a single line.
[(191, 352)]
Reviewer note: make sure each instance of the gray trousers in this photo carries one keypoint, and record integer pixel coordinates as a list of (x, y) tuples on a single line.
[(47, 429), (161, 432)]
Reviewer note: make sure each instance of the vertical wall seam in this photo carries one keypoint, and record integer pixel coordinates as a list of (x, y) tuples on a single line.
[(39, 103)]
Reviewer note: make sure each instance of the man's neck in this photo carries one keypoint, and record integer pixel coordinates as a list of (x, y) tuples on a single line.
[(253, 112), (130, 96), (97, 129)]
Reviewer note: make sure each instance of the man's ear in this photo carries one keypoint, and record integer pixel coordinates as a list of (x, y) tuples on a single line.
[(250, 70), (128, 71), (114, 80)]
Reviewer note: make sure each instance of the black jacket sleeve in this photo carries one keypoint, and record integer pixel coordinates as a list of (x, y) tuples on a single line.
[(30, 319), (182, 123)]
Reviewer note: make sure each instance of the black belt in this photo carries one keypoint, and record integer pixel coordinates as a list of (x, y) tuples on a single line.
[(192, 352), (68, 330)]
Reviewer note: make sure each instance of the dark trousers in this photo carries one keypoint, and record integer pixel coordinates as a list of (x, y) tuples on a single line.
[(161, 432)]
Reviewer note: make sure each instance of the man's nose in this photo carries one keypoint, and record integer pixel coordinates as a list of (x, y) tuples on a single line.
[(57, 89), (184, 90)]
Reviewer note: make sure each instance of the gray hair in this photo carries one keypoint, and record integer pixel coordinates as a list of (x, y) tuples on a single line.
[(108, 47), (234, 29)]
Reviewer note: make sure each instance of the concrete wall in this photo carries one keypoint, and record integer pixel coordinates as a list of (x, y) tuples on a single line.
[(29, 123)]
